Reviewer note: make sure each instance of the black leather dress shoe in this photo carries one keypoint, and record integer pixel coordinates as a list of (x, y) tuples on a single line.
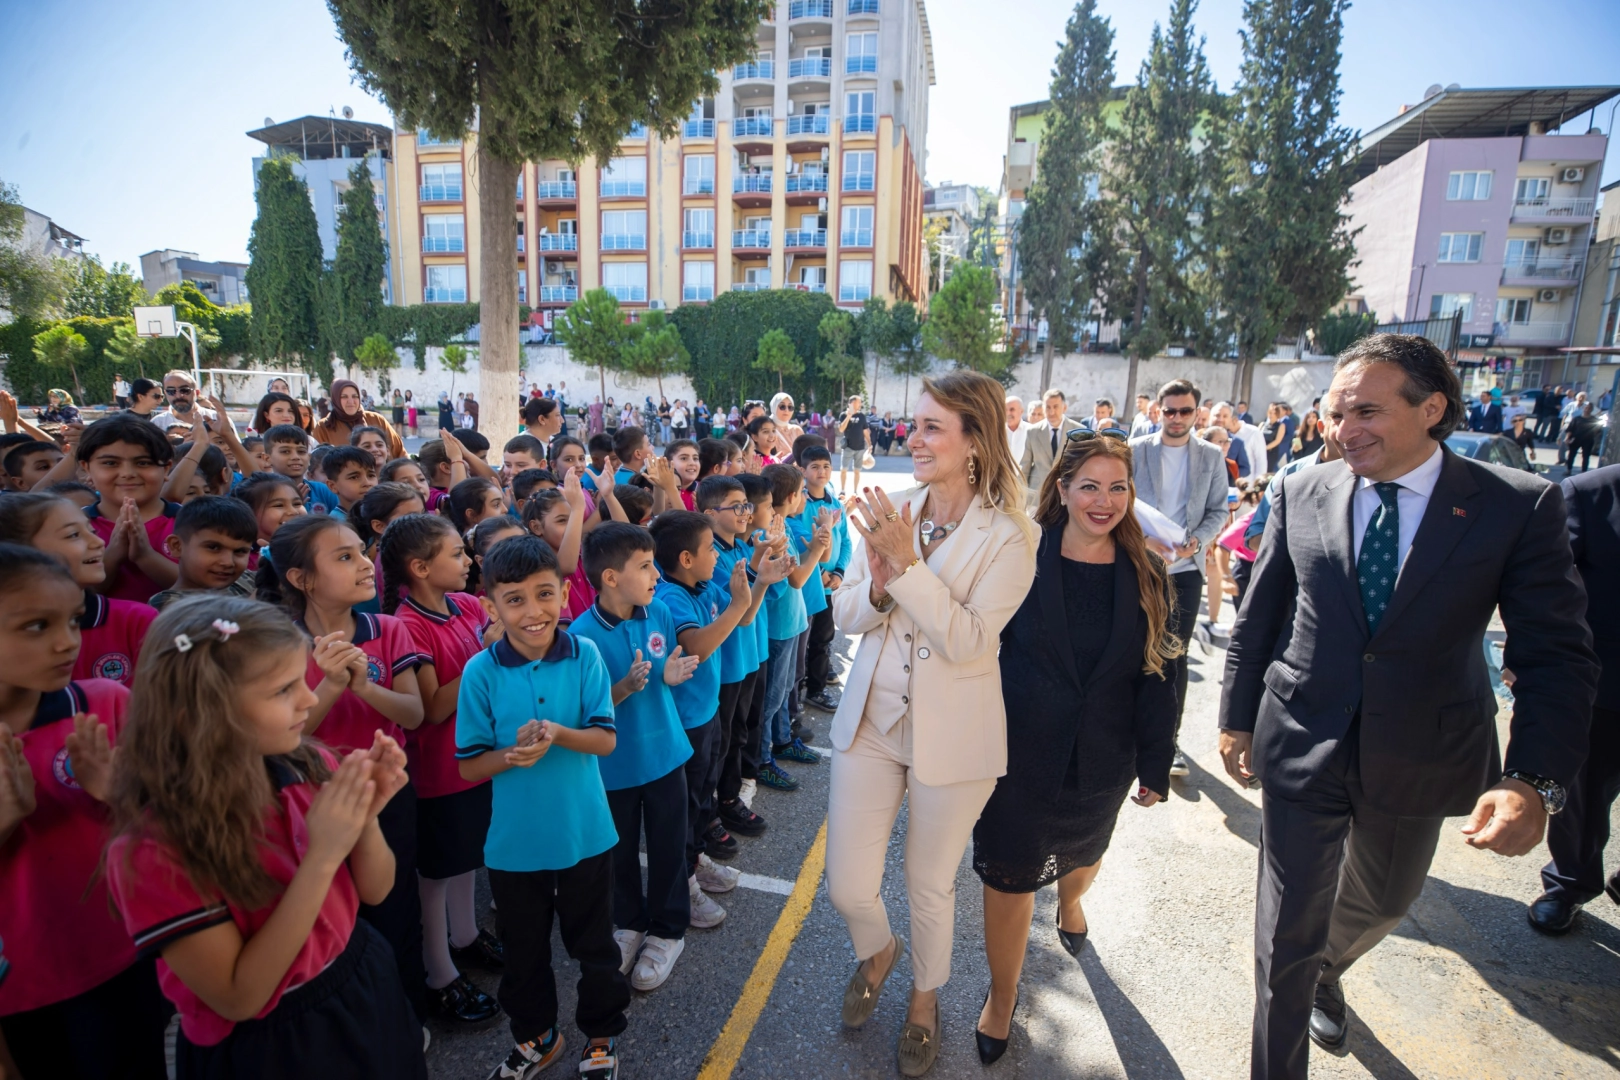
[(486, 953), (1071, 941), (1329, 1025), (1613, 887), (1553, 915), (991, 1049), (461, 1000)]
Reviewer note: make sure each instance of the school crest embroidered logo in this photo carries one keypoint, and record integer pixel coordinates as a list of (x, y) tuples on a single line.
[(115, 666), (655, 643), (374, 671), (62, 769), (714, 610)]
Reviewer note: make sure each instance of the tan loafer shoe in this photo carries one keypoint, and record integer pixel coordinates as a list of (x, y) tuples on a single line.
[(861, 997)]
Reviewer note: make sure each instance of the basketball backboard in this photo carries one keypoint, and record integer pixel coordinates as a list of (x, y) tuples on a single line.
[(155, 322)]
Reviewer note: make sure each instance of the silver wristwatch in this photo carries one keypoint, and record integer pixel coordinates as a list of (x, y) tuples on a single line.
[(1553, 795)]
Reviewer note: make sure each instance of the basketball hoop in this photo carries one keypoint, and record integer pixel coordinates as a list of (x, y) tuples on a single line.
[(156, 322)]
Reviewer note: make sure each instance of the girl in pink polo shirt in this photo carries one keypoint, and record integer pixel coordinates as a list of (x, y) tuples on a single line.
[(78, 1003), (242, 852)]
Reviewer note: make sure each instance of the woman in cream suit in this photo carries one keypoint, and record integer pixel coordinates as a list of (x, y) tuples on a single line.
[(922, 715)]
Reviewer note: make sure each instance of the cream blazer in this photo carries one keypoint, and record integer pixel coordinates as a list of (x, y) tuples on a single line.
[(952, 620)]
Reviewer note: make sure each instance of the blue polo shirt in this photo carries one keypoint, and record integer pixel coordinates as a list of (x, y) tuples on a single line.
[(624, 475), (652, 742), (698, 698), (811, 593), (784, 604), (320, 496), (739, 653), (553, 814), (762, 619)]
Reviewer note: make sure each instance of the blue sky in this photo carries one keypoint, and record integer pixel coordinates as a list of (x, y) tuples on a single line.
[(125, 122)]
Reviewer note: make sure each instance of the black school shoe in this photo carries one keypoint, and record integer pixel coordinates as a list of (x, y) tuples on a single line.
[(719, 844), (486, 952), (461, 1000), (737, 818)]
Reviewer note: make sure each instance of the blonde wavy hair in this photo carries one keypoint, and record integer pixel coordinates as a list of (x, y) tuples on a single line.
[(981, 402)]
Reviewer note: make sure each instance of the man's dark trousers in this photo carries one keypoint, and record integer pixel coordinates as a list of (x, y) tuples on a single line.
[(1577, 834), (818, 659), (1189, 586)]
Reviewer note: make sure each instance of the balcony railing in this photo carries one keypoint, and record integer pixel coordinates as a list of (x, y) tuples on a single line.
[(803, 182), (634, 294), (752, 182), (862, 7), (755, 69), (861, 122), (423, 138), (1538, 333), (817, 124), (751, 125), (1566, 269), (810, 9), (697, 129), (858, 65), (859, 181), (556, 189), (559, 241), (523, 294), (622, 189), (558, 294), (696, 293), (697, 240), (441, 193), (805, 238), (430, 295), (853, 293), (855, 238), (810, 67), (1575, 211), (751, 238), (810, 286), (750, 286), (698, 185), (520, 243), (624, 242), (445, 243), (520, 189)]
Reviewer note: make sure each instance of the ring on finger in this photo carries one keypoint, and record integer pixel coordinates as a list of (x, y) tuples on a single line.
[(892, 515)]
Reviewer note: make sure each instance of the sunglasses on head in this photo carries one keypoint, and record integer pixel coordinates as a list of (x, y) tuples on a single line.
[(1178, 412), (1082, 434)]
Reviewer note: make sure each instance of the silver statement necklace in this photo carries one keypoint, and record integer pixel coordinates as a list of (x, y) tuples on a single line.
[(931, 532)]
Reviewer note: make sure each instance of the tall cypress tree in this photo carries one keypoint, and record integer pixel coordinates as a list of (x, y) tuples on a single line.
[(354, 285), (1155, 194), (1285, 247), (1056, 230), (284, 269)]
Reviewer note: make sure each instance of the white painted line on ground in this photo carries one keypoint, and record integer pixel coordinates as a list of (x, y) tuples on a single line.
[(756, 882)]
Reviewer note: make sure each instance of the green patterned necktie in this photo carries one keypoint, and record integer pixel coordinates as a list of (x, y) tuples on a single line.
[(1380, 560)]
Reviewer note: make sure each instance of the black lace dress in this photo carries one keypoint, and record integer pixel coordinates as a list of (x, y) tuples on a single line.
[(1025, 838)]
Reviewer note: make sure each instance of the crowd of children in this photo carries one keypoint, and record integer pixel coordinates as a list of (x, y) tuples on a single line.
[(268, 708)]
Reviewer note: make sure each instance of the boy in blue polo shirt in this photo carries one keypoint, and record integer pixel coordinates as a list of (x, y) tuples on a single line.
[(534, 715), (816, 461), (644, 776), (786, 620)]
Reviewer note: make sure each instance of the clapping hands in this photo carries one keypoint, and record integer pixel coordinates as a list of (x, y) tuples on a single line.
[(679, 667), (533, 740)]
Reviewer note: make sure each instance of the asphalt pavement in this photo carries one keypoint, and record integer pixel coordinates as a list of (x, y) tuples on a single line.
[(1164, 989)]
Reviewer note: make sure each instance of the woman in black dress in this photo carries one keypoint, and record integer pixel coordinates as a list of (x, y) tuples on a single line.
[(1089, 709)]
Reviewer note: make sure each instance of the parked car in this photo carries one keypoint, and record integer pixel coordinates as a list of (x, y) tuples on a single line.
[(1492, 449)]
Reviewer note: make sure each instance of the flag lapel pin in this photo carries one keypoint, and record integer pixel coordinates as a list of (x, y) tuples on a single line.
[(1457, 511)]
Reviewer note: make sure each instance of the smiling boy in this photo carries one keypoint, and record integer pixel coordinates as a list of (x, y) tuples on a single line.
[(350, 473), (212, 539), (127, 460), (287, 446)]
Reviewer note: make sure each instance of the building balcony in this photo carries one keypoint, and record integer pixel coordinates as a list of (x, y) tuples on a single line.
[(819, 124), (862, 7), (855, 238), (1544, 271), (810, 67), (559, 294), (697, 129), (559, 241), (810, 286), (859, 182), (698, 185), (751, 125), (750, 286), (696, 294), (520, 244), (810, 9), (806, 184), (440, 193), (693, 240), (426, 141), (860, 65), (751, 239), (624, 189), (556, 191), (751, 183), (438, 244), (628, 294), (430, 295), (1533, 333), (520, 189), (1555, 211), (757, 69), (624, 242), (860, 122), (805, 238)]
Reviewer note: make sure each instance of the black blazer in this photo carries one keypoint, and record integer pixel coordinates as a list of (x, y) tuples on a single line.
[(1594, 538), (1121, 722), (1301, 665)]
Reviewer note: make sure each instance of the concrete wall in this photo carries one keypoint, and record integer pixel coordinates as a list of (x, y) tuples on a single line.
[(1384, 207)]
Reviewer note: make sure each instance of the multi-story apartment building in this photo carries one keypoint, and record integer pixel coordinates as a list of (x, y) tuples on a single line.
[(953, 209), (225, 283), (804, 171), (1481, 202)]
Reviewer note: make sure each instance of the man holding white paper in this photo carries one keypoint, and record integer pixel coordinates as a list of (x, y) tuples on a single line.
[(1185, 479)]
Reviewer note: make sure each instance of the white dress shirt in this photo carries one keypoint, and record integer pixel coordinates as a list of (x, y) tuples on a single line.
[(1254, 445), (1017, 437), (1411, 502)]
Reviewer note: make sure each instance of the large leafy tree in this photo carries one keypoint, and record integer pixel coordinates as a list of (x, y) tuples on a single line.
[(99, 292), (1155, 193), (778, 356), (656, 349), (961, 326), (539, 79), (284, 269), (1059, 216), (837, 329), (31, 284), (1283, 239), (354, 284), (596, 334), (63, 347)]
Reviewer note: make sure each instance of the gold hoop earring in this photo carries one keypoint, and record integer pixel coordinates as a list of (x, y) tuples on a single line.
[(973, 472)]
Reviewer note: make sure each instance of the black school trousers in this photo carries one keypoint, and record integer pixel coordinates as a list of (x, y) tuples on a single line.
[(702, 775), (739, 760), (579, 899), (658, 809), (818, 657)]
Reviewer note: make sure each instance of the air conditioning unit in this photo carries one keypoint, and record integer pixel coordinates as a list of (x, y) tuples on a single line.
[(1572, 175), (1559, 235), (1547, 296), (821, 204)]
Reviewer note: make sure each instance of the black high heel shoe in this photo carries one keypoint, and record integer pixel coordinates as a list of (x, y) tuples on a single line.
[(1072, 941), (991, 1049)]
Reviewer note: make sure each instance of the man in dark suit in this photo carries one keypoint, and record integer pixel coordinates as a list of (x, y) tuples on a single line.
[(1576, 837), (1356, 686), (1044, 444), (1486, 416)]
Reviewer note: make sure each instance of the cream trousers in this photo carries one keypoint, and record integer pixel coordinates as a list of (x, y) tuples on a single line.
[(868, 781)]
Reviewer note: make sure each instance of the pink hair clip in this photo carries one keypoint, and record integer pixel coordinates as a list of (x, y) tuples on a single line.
[(226, 628)]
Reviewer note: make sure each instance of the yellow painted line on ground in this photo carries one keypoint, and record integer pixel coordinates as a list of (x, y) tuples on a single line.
[(733, 1040)]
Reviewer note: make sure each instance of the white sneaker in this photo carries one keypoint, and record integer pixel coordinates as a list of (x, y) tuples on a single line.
[(630, 942), (714, 878), (706, 914), (746, 795), (657, 959)]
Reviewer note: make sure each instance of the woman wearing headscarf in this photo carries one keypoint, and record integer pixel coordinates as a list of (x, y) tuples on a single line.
[(59, 408), (447, 412), (347, 415)]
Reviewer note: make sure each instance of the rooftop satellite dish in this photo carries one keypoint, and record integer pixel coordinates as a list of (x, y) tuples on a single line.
[(1454, 86), (269, 122), (1431, 91), (348, 113)]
